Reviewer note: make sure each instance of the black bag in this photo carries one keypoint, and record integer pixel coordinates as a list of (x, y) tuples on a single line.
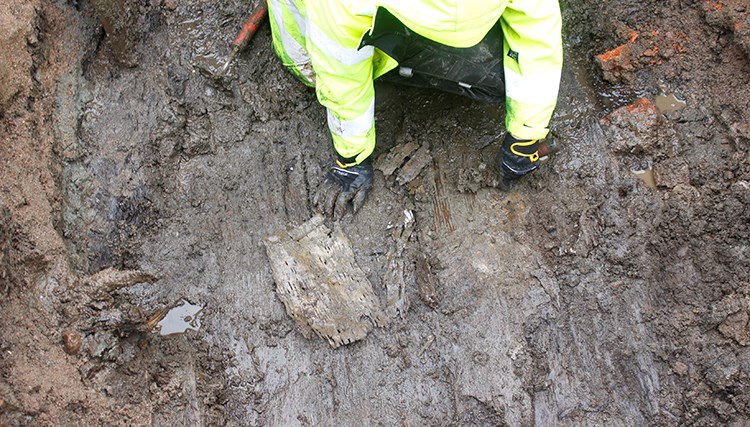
[(476, 72)]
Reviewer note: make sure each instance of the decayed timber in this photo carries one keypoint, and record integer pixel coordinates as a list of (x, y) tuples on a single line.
[(321, 285)]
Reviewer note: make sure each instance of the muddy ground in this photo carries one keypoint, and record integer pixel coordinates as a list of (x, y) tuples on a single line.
[(585, 296)]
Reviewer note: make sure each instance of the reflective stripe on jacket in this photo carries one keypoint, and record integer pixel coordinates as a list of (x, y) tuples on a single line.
[(344, 74)]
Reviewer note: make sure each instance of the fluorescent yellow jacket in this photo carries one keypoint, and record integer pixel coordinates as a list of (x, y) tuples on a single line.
[(344, 74)]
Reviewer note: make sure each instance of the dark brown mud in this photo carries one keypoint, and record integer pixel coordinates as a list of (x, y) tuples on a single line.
[(582, 297)]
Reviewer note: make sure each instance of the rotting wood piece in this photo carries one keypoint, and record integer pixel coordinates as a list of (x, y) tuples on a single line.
[(397, 274), (413, 167), (111, 279), (321, 285), (427, 282), (395, 158)]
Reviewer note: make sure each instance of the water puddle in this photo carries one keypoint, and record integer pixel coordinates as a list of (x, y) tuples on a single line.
[(669, 103), (209, 65), (192, 28), (180, 318), (645, 175)]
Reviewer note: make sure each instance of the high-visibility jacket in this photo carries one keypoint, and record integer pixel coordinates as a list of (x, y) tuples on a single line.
[(319, 40)]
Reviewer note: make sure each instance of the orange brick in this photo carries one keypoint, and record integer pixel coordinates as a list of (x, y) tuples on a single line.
[(643, 105), (651, 52), (619, 55)]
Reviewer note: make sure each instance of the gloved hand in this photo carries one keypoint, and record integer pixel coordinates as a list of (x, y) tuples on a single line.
[(516, 158), (343, 185)]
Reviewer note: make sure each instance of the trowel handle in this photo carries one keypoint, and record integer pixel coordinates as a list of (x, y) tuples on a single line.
[(251, 26)]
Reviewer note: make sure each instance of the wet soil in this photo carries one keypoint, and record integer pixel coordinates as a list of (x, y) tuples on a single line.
[(581, 297)]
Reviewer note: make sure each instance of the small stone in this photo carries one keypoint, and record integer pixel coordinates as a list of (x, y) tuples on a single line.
[(169, 4), (737, 327), (70, 312), (680, 369), (71, 341), (32, 40), (481, 358)]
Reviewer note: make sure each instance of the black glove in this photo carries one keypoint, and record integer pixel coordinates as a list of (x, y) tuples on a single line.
[(516, 158), (343, 185)]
